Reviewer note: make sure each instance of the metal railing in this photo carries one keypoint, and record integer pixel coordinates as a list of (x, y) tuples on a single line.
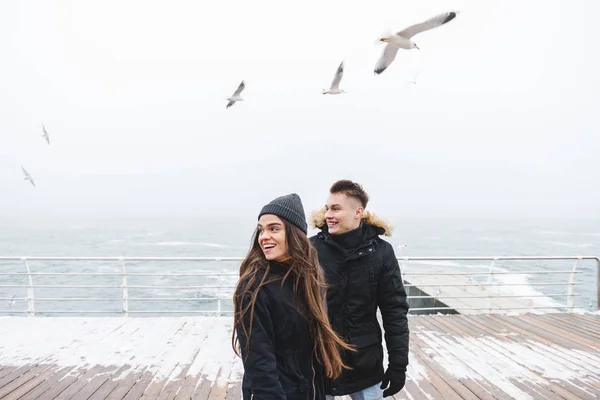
[(125, 274)]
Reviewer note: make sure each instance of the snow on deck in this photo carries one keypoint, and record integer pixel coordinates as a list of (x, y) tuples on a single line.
[(553, 356)]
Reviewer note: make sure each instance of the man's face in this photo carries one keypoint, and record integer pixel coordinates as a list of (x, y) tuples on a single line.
[(343, 213)]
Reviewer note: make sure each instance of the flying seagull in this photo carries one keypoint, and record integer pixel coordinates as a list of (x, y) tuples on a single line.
[(335, 83), (45, 134), (402, 39), (28, 176), (236, 95)]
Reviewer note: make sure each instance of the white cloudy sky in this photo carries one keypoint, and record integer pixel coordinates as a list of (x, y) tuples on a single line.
[(502, 122)]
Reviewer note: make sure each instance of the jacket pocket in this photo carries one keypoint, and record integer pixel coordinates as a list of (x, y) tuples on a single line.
[(368, 357), (367, 340), (291, 376)]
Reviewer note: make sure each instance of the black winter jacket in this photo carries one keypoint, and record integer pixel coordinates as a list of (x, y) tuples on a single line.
[(278, 357), (363, 274)]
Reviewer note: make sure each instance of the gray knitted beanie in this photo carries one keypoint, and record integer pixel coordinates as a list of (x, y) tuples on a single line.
[(288, 207)]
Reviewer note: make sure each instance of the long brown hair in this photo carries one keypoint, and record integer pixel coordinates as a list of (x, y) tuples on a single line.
[(308, 284)]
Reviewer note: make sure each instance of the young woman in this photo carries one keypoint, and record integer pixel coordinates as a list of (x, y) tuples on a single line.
[(281, 326)]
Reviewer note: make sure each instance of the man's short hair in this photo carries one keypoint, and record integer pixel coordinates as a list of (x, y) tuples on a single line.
[(350, 189)]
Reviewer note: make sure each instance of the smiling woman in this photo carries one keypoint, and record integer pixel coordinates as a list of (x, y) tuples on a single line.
[(271, 237), (285, 340)]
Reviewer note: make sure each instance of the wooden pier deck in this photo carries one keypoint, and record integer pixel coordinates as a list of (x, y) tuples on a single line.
[(551, 356)]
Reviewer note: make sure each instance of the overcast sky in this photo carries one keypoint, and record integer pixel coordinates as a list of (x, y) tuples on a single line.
[(503, 120)]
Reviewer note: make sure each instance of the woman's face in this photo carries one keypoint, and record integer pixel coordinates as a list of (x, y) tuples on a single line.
[(271, 237)]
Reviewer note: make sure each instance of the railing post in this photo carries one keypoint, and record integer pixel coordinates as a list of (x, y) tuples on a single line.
[(490, 281), (571, 284), (598, 283), (403, 268), (30, 295), (219, 307), (124, 289)]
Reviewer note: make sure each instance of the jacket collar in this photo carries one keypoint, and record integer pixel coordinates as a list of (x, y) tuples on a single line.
[(378, 225)]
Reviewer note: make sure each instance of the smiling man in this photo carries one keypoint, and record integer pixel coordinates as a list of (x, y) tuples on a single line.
[(363, 274)]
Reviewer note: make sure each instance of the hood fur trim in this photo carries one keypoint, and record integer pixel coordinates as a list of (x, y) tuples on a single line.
[(317, 220)]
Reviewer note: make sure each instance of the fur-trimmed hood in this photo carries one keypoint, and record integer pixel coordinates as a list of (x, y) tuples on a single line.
[(317, 220)]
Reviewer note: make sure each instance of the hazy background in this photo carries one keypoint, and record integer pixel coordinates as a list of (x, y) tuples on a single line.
[(503, 120)]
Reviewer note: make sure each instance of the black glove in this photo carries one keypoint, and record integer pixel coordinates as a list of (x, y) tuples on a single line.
[(396, 378)]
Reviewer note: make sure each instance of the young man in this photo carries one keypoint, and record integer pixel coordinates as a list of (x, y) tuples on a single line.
[(362, 274)]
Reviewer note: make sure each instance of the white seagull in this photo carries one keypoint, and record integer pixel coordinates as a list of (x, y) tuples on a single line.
[(236, 95), (402, 39), (45, 134), (335, 83), (28, 176)]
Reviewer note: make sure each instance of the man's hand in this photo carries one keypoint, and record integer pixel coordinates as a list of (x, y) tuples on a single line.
[(395, 378)]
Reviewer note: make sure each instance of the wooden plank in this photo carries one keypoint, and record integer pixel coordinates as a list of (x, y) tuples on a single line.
[(202, 390), (560, 354), (584, 352), (58, 383), (234, 386), (205, 369), (48, 383), (450, 381), (110, 384), (29, 372), (70, 386), (493, 377), (413, 391), (48, 358), (573, 324), (503, 356), (558, 330), (137, 390), (15, 374), (496, 360), (452, 357), (26, 387), (548, 336), (96, 382), (137, 382), (173, 336), (437, 355), (188, 386), (120, 337), (535, 387), (61, 384), (124, 384), (169, 389), (220, 384), (592, 321), (445, 390), (555, 359), (7, 371), (574, 389), (477, 383), (165, 333), (79, 383)]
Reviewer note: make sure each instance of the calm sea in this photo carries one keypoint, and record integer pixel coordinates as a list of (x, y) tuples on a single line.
[(211, 237)]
